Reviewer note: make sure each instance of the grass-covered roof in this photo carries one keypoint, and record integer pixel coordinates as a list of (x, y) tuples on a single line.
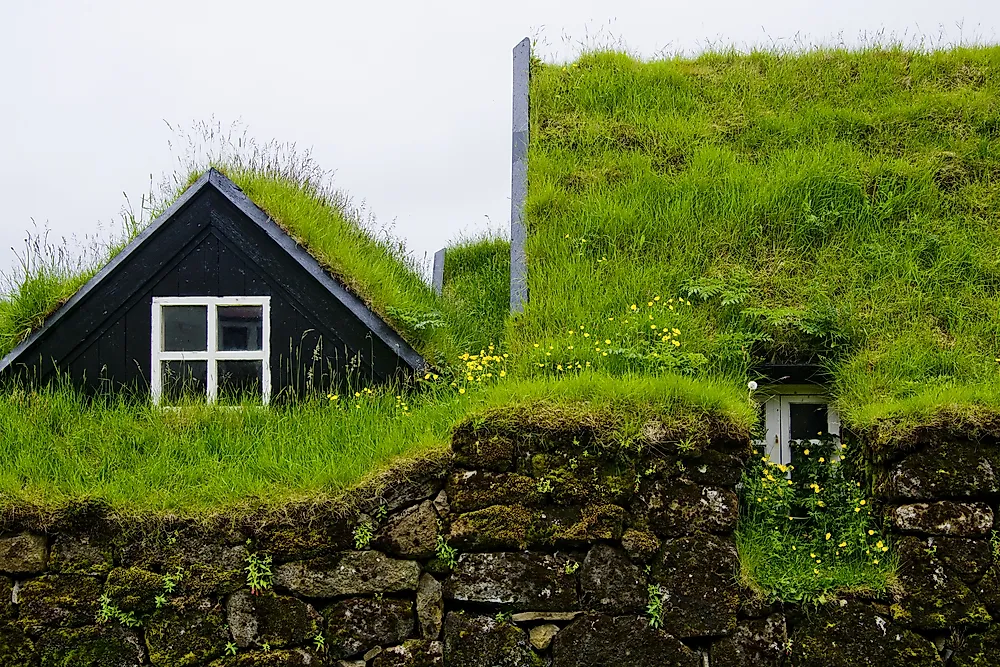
[(832, 206)]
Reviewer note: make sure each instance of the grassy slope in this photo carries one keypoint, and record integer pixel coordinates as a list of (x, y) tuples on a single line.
[(56, 448), (477, 287), (841, 202)]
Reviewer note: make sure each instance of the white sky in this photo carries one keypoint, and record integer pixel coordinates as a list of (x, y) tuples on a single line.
[(408, 101)]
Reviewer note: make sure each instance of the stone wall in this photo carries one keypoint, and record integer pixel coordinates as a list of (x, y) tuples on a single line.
[(518, 549)]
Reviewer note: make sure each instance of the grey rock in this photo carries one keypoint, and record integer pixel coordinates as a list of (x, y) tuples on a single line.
[(348, 573), (597, 640), (255, 620), (190, 636), (535, 616), (952, 469), (412, 653), (542, 635), (754, 642), (358, 625), (441, 504), (430, 607), (943, 518), (676, 508), (412, 533), (517, 581), (80, 554), (697, 578), (480, 641), (23, 554), (610, 583)]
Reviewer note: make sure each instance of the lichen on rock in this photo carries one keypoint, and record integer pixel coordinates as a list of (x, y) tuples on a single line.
[(597, 640), (513, 581), (482, 641), (357, 625)]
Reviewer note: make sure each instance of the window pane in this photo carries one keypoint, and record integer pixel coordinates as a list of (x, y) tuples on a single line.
[(185, 328), (241, 328), (807, 420), (240, 381), (184, 379)]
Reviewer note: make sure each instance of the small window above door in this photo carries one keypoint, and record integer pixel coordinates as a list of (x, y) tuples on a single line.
[(795, 412)]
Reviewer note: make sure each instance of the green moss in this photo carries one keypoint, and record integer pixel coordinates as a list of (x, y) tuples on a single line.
[(89, 647), (16, 649), (134, 590)]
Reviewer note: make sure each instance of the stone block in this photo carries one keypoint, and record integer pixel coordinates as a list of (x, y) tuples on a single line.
[(677, 508), (357, 625), (296, 657), (81, 554), (515, 581), (23, 554), (411, 533), (430, 607), (473, 490), (943, 518), (641, 545), (945, 470), (697, 578), (348, 573), (190, 636), (482, 451), (493, 528), (133, 589), (853, 635), (596, 640), (541, 636), (610, 583), (481, 641), (255, 620), (59, 600), (968, 559), (108, 645), (412, 653), (16, 648), (759, 642)]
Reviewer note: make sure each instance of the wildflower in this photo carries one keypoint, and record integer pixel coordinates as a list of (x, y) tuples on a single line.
[(676, 343), (828, 536), (806, 452), (822, 460), (462, 390), (812, 555), (857, 509), (862, 502), (879, 544), (871, 532), (875, 562), (634, 307), (607, 341), (334, 397), (656, 298), (357, 394), (650, 303), (503, 374), (536, 344)]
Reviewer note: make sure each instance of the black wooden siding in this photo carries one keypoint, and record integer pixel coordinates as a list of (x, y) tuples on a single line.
[(209, 248)]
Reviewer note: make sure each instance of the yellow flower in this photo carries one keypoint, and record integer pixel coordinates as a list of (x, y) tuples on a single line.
[(806, 452), (862, 502), (650, 303), (828, 536), (857, 509), (822, 460), (875, 562), (656, 298), (334, 397), (871, 532), (842, 545), (634, 307), (503, 374), (462, 390), (879, 544), (607, 341)]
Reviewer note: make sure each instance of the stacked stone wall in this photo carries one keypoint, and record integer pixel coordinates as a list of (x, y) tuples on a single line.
[(518, 549)]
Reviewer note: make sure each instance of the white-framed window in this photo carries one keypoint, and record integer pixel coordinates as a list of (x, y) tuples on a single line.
[(219, 347), (795, 412)]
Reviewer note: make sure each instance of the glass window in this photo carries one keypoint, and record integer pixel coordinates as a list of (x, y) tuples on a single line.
[(807, 420), (185, 328), (184, 379), (239, 381), (241, 328)]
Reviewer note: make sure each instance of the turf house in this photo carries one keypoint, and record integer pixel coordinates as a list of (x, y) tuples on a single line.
[(729, 395)]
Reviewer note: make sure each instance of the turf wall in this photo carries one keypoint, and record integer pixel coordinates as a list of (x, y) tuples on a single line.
[(517, 549)]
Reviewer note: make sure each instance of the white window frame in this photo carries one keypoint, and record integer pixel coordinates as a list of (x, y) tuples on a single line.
[(777, 402), (212, 354)]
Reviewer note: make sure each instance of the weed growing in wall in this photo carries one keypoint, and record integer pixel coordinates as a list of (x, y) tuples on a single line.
[(807, 531)]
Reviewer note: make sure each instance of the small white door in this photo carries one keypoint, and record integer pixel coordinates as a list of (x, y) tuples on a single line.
[(801, 414)]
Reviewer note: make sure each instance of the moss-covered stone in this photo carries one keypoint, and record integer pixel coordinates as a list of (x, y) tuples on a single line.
[(709, 467), (978, 650), (82, 553), (988, 590), (190, 636), (59, 600), (483, 451), (943, 518), (430, 607), (952, 469), (412, 653), (273, 620), (134, 590), (640, 545), (596, 640), (853, 635), (16, 649), (348, 573), (570, 527), (482, 641), (513, 581), (26, 553), (472, 490), (288, 542), (932, 598), (697, 578), (7, 608), (578, 478), (758, 642), (497, 527), (610, 583), (968, 559), (677, 508), (357, 625), (412, 533), (298, 657), (104, 646)]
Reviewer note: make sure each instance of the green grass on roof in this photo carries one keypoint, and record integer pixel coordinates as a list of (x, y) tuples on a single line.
[(832, 206)]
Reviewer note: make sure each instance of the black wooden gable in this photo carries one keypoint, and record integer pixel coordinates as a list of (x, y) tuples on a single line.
[(214, 242)]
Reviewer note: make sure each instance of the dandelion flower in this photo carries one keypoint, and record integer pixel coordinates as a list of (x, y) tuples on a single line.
[(806, 452), (871, 532), (862, 502), (462, 390)]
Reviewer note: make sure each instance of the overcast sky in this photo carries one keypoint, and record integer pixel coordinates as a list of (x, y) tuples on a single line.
[(408, 101)]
